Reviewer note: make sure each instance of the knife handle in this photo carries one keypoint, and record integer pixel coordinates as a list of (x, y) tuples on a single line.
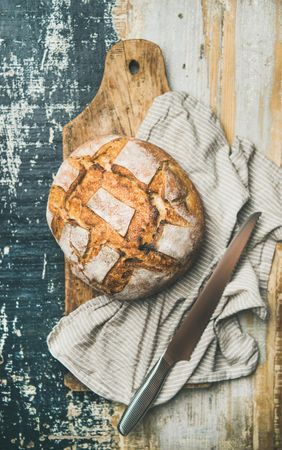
[(144, 396)]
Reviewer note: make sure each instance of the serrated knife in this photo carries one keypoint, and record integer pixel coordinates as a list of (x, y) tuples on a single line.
[(190, 331)]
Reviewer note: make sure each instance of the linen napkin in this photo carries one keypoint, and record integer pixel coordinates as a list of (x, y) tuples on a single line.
[(110, 345)]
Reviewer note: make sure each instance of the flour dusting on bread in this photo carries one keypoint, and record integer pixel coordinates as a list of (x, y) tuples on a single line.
[(126, 215)]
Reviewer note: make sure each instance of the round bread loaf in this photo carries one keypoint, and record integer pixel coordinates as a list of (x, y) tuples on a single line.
[(126, 215)]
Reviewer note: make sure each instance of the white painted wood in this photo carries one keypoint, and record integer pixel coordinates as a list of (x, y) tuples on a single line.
[(177, 27), (220, 417), (255, 39)]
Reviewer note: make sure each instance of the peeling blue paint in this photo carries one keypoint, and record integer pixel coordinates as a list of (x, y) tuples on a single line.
[(51, 67)]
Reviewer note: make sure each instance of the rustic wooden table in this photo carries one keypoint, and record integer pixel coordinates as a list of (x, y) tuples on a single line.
[(226, 53)]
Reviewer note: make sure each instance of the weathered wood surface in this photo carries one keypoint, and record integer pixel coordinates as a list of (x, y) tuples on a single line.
[(226, 53), (52, 59), (229, 55)]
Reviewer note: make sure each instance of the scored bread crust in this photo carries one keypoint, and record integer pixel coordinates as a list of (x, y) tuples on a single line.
[(126, 215)]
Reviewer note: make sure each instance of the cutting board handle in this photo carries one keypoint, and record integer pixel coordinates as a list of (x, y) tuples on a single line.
[(134, 75)]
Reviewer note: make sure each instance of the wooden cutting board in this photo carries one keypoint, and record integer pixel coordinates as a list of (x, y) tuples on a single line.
[(134, 75)]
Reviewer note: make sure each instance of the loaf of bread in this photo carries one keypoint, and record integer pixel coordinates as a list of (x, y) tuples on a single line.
[(126, 216)]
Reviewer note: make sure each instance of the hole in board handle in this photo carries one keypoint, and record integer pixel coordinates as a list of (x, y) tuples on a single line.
[(133, 67)]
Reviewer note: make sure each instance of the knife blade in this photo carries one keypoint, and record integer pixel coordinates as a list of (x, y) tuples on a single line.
[(190, 331)]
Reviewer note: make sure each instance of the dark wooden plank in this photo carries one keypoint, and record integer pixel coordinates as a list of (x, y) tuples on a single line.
[(52, 58)]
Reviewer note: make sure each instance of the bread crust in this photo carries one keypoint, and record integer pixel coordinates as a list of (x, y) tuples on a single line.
[(126, 215)]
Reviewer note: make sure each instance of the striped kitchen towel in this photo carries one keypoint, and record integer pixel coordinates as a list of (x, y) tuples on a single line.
[(110, 345)]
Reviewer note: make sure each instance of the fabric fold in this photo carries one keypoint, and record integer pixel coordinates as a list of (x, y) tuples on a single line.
[(109, 345)]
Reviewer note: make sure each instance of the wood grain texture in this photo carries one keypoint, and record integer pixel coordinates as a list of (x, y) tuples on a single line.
[(267, 394), (219, 34), (233, 62)]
